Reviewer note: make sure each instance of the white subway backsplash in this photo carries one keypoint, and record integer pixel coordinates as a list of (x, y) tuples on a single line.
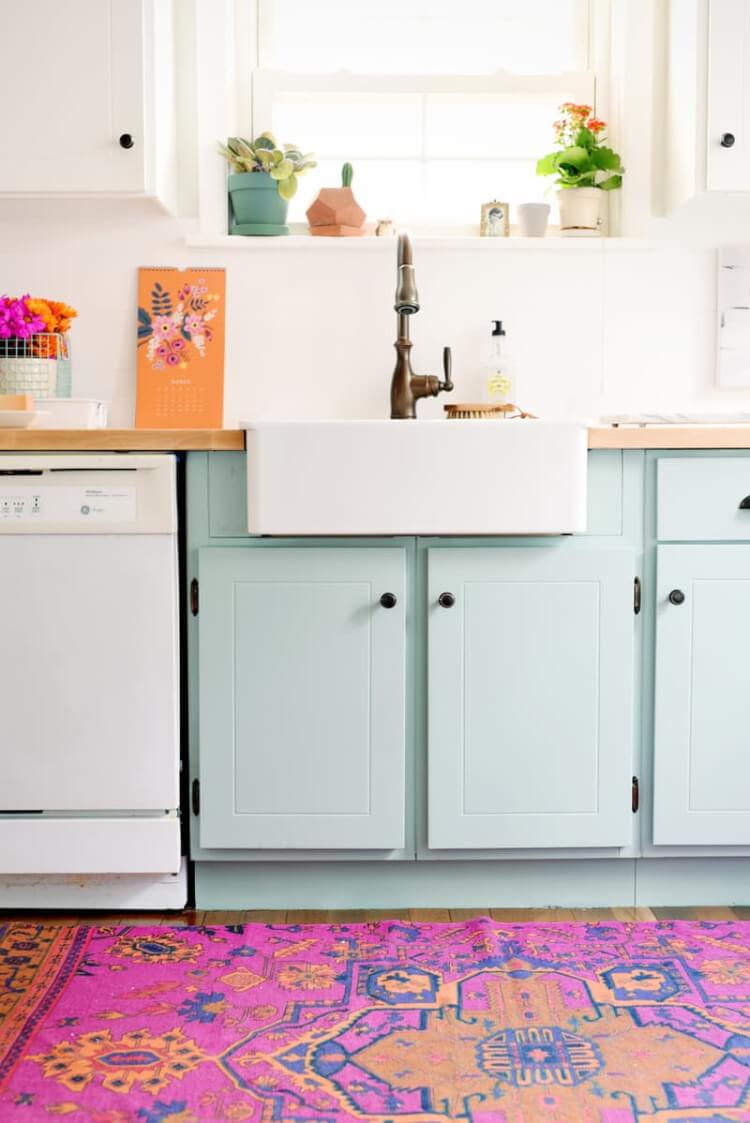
[(310, 334)]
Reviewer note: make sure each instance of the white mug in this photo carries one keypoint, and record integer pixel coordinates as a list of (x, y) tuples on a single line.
[(532, 219)]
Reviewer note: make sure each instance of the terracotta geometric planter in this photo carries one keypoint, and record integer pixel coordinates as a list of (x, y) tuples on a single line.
[(336, 214)]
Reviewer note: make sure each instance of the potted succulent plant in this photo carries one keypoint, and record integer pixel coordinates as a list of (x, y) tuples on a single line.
[(585, 167), (263, 180), (335, 212)]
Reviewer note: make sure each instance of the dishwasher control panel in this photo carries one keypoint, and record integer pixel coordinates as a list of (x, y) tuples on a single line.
[(91, 493), (36, 504), (14, 506)]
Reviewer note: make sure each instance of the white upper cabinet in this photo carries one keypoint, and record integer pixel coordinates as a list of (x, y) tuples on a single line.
[(728, 109), (707, 105), (92, 82)]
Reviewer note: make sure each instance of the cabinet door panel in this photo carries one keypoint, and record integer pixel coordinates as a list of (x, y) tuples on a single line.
[(301, 698), (728, 168), (75, 71), (530, 707), (702, 732)]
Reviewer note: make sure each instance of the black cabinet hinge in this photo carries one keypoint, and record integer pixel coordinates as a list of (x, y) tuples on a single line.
[(194, 596), (637, 595), (195, 797), (635, 795)]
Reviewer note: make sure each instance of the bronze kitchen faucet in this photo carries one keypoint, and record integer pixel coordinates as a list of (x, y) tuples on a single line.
[(406, 386)]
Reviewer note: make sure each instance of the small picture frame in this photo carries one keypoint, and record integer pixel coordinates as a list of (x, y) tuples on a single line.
[(495, 222)]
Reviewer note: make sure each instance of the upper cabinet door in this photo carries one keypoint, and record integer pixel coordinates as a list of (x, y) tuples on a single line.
[(702, 732), (705, 138), (530, 697), (728, 116), (302, 698), (74, 73)]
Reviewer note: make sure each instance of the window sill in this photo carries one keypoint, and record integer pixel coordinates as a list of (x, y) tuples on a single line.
[(369, 243), (552, 243)]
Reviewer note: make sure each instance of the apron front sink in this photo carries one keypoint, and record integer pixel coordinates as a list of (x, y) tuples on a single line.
[(416, 477)]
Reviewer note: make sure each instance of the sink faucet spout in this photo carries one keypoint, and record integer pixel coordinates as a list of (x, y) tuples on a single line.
[(406, 386), (407, 297)]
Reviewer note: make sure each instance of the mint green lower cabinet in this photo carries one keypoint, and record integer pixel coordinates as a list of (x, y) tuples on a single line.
[(302, 698), (702, 723), (530, 697), (478, 755)]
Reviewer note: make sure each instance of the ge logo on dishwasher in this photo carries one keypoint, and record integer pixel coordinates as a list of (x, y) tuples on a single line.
[(85, 510)]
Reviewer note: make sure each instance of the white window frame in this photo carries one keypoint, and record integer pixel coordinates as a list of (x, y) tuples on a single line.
[(590, 14), (266, 83), (251, 88)]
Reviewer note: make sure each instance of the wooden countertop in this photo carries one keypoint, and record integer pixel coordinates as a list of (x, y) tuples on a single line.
[(121, 440), (233, 440), (670, 436)]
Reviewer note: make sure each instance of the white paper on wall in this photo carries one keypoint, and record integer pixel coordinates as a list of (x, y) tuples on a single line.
[(733, 305)]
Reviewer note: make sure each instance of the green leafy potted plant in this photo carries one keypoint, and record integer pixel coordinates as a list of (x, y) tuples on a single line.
[(263, 180), (585, 167)]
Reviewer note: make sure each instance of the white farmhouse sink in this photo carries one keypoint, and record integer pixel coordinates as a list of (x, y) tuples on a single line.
[(416, 477)]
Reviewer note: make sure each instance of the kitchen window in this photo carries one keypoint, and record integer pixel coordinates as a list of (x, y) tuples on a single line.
[(440, 106)]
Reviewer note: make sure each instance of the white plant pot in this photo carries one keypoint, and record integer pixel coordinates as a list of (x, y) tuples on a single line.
[(581, 210), (532, 219)]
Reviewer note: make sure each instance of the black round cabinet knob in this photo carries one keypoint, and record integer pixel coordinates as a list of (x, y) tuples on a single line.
[(677, 597), (446, 600), (388, 600), (126, 141), (727, 140)]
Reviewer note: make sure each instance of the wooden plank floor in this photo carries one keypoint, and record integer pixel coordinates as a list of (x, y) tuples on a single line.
[(310, 916)]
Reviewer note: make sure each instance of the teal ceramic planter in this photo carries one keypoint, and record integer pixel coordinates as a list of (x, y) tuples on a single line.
[(256, 206)]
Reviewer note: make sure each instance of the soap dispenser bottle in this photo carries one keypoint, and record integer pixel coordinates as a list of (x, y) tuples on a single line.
[(499, 368)]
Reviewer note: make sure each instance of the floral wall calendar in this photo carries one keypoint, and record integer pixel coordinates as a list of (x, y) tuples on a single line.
[(180, 376)]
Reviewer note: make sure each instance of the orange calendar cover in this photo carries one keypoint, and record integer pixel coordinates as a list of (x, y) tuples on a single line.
[(180, 376)]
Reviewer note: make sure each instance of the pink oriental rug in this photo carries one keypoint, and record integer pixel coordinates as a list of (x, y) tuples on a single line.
[(390, 1022)]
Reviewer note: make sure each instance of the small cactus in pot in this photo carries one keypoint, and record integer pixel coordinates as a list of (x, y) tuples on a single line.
[(336, 213)]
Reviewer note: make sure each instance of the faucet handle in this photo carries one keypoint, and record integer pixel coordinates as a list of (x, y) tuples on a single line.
[(447, 385)]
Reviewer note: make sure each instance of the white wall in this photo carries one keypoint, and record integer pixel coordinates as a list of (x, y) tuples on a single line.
[(596, 328), (310, 331)]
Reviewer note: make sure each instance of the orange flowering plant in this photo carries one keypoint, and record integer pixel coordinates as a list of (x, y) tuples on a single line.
[(31, 326), (583, 159), (55, 315)]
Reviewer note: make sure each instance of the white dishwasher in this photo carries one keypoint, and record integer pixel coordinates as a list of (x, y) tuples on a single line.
[(89, 682)]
